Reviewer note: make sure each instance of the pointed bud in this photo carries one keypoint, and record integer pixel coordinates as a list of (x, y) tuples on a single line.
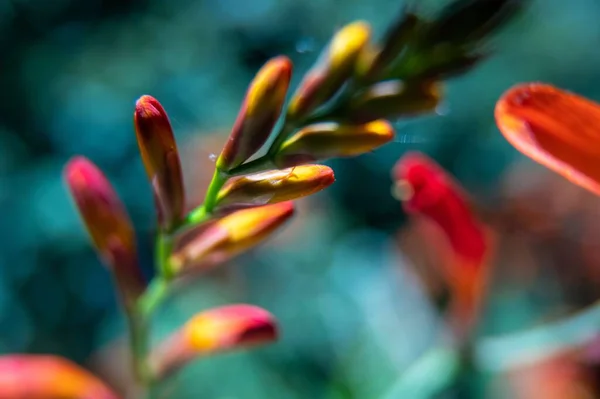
[(229, 236), (394, 99), (371, 66), (161, 159), (259, 113), (48, 377), (217, 330), (430, 193), (555, 128), (274, 186), (336, 65), (330, 140), (107, 222)]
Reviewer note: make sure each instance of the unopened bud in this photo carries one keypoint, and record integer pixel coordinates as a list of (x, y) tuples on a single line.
[(259, 113), (217, 330), (161, 159), (331, 140), (274, 186), (335, 66), (229, 236)]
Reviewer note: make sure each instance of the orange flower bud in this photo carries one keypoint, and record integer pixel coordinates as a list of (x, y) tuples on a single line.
[(48, 377), (230, 235), (214, 331), (259, 113), (394, 99), (336, 65), (274, 186), (161, 159), (429, 192), (555, 128), (329, 140), (107, 222)]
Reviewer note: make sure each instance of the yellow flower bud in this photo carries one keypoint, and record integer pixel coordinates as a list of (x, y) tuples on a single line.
[(394, 99), (214, 331), (330, 140), (335, 66), (259, 113), (274, 186), (229, 236)]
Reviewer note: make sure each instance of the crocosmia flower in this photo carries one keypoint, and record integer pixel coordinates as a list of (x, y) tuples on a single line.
[(428, 192)]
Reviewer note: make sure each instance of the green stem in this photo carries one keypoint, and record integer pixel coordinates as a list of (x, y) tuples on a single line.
[(164, 247), (152, 298), (138, 341), (217, 182)]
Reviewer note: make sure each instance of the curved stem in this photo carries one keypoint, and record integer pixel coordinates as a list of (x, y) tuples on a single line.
[(217, 182)]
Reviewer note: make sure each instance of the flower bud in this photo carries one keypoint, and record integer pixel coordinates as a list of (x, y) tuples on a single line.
[(330, 140), (336, 65), (214, 331), (48, 377), (161, 160), (430, 193), (394, 99), (259, 113), (555, 128), (229, 236), (274, 186), (107, 223)]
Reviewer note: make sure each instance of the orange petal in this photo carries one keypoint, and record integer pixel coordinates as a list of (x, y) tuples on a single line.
[(214, 331), (48, 377), (161, 159), (555, 128)]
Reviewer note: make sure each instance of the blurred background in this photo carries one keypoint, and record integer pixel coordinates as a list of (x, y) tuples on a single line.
[(345, 278)]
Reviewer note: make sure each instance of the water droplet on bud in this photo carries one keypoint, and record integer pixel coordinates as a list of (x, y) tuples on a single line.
[(212, 157)]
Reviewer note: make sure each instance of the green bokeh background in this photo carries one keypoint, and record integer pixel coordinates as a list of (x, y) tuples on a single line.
[(352, 313)]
